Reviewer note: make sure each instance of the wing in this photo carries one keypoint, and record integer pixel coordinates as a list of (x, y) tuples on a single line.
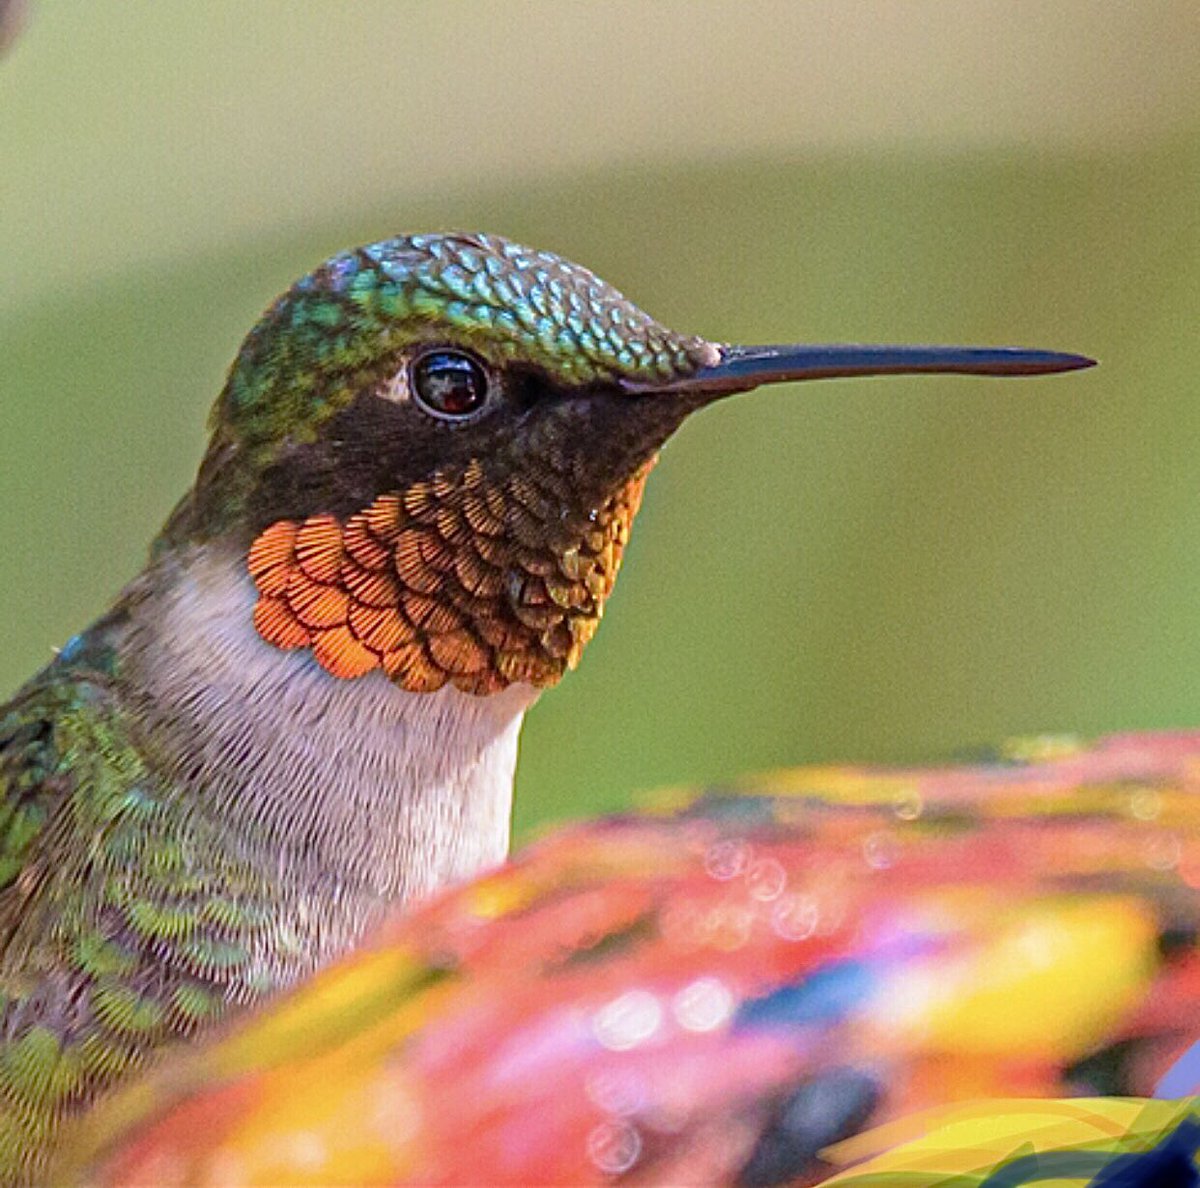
[(61, 733), (64, 763), (723, 989), (38, 780), (31, 785), (97, 901)]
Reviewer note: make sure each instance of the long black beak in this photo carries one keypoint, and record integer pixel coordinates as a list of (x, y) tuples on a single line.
[(740, 368)]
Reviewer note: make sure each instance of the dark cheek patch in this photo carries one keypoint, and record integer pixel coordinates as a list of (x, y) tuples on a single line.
[(454, 580)]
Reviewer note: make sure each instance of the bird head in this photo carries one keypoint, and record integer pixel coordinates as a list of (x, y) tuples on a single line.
[(432, 449)]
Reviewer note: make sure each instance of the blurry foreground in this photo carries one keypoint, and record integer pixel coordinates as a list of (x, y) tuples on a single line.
[(731, 989)]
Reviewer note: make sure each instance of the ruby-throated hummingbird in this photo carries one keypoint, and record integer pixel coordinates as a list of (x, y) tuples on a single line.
[(423, 470)]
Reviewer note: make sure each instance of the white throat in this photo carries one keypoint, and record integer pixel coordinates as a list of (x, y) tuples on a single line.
[(354, 786)]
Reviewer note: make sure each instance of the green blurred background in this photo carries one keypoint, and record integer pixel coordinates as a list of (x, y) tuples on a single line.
[(882, 570)]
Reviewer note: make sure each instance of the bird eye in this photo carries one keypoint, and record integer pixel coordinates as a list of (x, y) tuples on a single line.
[(449, 384)]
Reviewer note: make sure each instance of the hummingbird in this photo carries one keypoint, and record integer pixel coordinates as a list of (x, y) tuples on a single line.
[(423, 470)]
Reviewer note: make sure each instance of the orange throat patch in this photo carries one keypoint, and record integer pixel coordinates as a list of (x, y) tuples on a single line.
[(455, 580)]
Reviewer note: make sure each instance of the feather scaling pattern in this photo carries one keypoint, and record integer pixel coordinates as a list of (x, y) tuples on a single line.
[(455, 579), (115, 940)]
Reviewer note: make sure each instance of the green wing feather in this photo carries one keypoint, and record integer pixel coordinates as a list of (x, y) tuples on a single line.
[(114, 939)]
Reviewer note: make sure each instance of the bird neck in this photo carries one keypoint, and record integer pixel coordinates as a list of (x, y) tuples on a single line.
[(352, 785)]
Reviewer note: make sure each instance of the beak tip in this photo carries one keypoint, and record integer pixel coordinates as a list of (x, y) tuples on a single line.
[(1033, 362)]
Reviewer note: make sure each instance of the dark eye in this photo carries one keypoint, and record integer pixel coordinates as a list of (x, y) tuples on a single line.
[(449, 384)]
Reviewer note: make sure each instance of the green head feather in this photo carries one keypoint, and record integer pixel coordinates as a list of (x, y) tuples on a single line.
[(341, 325)]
